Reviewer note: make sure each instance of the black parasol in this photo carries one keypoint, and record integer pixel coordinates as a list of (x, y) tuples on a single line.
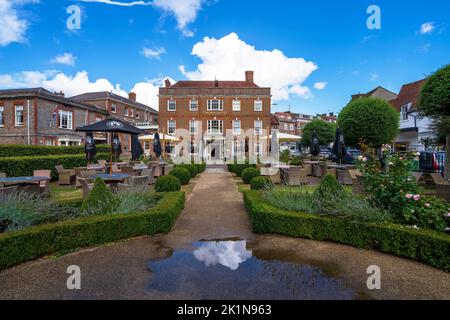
[(89, 147), (315, 148), (339, 146), (157, 145), (136, 147)]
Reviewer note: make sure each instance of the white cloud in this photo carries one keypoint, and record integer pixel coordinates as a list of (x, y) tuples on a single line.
[(153, 53), (229, 254), (67, 59), (301, 91), (320, 85), (12, 27), (374, 76), (184, 11), (146, 92), (426, 28), (229, 57)]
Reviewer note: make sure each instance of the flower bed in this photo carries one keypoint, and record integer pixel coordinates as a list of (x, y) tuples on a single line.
[(37, 241), (427, 246)]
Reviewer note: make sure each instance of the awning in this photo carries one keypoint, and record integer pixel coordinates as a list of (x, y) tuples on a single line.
[(110, 125), (285, 137)]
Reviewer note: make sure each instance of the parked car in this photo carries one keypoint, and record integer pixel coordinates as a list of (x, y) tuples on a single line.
[(325, 152), (349, 157)]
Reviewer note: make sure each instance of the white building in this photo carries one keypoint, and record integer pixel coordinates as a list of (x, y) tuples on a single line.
[(414, 130)]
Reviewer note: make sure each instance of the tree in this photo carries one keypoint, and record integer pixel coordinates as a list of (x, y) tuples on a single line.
[(434, 102), (325, 132), (373, 121)]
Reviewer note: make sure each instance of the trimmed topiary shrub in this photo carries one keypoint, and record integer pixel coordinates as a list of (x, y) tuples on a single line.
[(258, 183), (100, 199), (192, 168), (249, 173), (329, 190), (237, 168), (167, 184), (182, 174)]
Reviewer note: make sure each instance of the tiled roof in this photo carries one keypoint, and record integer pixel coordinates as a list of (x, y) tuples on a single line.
[(409, 93), (103, 95), (48, 95), (214, 84), (273, 120)]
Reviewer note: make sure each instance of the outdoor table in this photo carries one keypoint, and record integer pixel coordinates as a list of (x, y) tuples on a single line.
[(112, 179), (96, 167), (163, 165), (122, 163), (22, 181), (139, 167)]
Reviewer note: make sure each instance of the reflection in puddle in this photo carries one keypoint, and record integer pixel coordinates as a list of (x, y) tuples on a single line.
[(229, 254), (228, 270)]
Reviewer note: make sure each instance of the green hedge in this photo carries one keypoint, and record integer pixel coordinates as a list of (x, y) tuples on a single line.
[(24, 166), (427, 246), (38, 241), (237, 168), (21, 150)]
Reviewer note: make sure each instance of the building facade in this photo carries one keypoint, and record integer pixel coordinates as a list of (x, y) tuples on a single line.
[(37, 116), (415, 131), (293, 123), (209, 110), (379, 93)]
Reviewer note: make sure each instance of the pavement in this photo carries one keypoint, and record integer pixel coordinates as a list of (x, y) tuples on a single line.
[(214, 211)]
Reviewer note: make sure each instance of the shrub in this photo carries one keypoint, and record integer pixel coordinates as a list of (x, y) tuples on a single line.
[(249, 173), (24, 166), (192, 168), (167, 184), (237, 168), (296, 161), (373, 120), (201, 167), (21, 150), (329, 190), (290, 198), (285, 156), (182, 174), (37, 241), (258, 183), (100, 200), (424, 245)]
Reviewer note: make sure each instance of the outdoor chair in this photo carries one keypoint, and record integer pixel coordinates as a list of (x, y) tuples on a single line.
[(33, 189), (438, 179), (102, 163), (344, 177), (134, 182), (150, 173), (158, 167), (127, 170), (86, 186), (66, 176), (6, 192), (2, 175), (78, 171), (308, 167), (44, 186), (272, 173), (168, 168), (296, 176)]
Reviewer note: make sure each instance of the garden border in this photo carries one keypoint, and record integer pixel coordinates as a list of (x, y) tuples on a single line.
[(427, 246), (38, 241)]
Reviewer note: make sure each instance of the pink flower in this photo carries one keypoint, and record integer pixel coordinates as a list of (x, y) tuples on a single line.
[(416, 197), (408, 196), (448, 214)]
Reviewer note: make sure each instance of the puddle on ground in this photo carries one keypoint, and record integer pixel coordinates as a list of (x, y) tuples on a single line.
[(228, 269)]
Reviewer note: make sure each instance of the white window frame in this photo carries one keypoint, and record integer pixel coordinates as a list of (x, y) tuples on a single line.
[(219, 106), (195, 145), (114, 107), (169, 102), (291, 127), (193, 124), (18, 107), (258, 131), (235, 129), (2, 116), (131, 113), (219, 127), (236, 105), (169, 122), (257, 148), (404, 111), (191, 103), (69, 115), (258, 105), (126, 112)]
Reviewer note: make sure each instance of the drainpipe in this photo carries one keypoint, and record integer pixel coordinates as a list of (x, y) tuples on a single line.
[(28, 122)]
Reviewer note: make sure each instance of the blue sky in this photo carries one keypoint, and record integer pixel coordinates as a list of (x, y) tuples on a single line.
[(314, 54)]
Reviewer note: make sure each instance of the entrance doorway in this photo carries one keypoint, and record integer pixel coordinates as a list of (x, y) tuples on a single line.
[(214, 152)]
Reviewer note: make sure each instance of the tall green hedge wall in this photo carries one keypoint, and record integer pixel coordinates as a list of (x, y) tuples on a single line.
[(20, 150), (24, 166)]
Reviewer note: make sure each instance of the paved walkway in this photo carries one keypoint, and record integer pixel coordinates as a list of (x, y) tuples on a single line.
[(214, 210)]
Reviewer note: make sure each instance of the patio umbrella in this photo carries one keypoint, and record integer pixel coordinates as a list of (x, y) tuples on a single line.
[(113, 125), (116, 146), (315, 148), (136, 147), (157, 145), (89, 147), (338, 145)]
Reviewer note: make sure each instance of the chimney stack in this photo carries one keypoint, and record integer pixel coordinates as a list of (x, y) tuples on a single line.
[(167, 83), (249, 76), (60, 93), (132, 96)]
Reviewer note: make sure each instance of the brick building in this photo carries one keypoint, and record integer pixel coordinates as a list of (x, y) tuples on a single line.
[(293, 123), (37, 116), (209, 110), (128, 109)]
